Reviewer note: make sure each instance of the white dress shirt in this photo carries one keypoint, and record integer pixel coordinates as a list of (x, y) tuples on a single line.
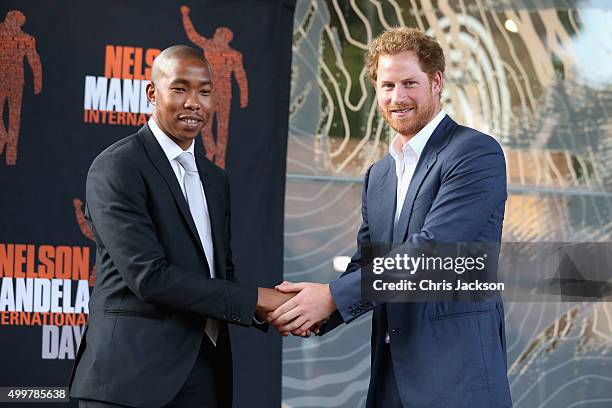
[(172, 151), (406, 158)]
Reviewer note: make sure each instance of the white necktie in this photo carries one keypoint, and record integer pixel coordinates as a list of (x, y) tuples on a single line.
[(199, 213)]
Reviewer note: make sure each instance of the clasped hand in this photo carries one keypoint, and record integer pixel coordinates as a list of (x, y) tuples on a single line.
[(304, 312)]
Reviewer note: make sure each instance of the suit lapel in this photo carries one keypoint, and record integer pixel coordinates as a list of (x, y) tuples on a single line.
[(388, 189), (438, 141), (161, 163), (214, 194)]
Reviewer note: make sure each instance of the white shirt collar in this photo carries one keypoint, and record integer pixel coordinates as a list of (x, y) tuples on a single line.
[(170, 148), (417, 142)]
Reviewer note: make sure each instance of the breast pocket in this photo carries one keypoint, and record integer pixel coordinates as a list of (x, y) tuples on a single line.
[(135, 313)]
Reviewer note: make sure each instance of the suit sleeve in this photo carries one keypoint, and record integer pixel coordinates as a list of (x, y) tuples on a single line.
[(346, 290), (473, 186), (229, 259), (117, 206)]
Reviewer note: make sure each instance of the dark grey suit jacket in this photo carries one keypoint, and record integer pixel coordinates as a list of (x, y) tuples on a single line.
[(153, 290)]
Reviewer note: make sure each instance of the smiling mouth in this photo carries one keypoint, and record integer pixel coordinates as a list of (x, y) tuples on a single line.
[(405, 110), (191, 121)]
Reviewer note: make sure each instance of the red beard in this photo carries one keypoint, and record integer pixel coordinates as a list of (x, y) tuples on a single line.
[(416, 119)]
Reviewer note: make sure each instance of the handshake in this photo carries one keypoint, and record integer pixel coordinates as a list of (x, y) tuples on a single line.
[(296, 308)]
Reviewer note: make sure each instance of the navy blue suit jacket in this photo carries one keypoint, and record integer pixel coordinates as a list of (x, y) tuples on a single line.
[(445, 354)]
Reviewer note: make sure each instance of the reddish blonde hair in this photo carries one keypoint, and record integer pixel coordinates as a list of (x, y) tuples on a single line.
[(400, 39)]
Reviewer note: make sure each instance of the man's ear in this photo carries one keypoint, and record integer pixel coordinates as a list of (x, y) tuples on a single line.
[(436, 83), (151, 95)]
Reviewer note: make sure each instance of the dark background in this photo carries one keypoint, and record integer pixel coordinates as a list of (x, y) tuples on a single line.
[(56, 148)]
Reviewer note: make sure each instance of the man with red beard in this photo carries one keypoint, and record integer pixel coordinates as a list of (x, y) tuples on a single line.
[(440, 183)]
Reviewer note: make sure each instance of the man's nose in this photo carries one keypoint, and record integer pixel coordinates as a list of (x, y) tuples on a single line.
[(399, 95), (192, 102)]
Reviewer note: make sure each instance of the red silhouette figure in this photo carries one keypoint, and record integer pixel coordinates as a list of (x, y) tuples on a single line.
[(86, 230), (14, 45), (224, 61)]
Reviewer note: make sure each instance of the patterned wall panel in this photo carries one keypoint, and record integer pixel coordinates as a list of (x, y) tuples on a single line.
[(533, 74)]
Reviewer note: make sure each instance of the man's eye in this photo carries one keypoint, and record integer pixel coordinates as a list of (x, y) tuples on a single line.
[(387, 86), (205, 92), (178, 89)]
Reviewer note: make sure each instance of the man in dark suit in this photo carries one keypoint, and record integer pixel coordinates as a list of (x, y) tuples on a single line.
[(157, 332), (440, 183)]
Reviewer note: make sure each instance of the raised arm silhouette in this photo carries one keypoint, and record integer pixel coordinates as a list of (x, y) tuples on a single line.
[(14, 46), (224, 61)]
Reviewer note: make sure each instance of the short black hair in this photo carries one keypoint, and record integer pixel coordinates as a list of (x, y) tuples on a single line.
[(175, 52)]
